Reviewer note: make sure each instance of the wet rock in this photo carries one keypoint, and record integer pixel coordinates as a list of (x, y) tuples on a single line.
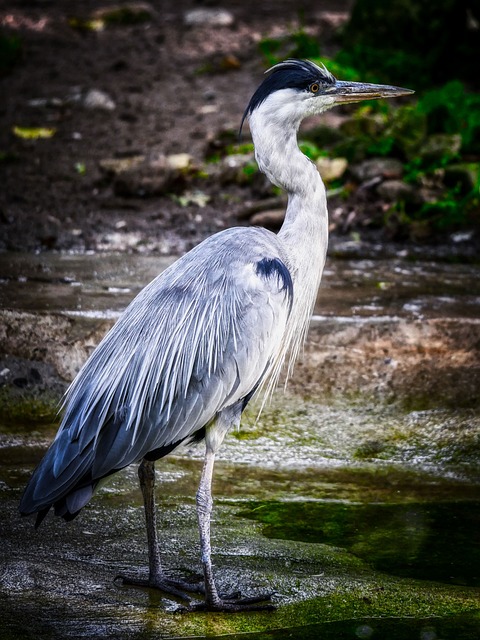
[(331, 168), (56, 340), (441, 356), (209, 17), (397, 190), (376, 167), (440, 146)]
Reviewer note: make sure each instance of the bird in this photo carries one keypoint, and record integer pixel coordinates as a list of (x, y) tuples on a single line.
[(212, 331)]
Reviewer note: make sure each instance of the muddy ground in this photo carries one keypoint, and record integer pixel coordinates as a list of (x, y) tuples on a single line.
[(175, 89)]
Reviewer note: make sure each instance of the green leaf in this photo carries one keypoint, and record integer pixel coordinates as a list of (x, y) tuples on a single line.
[(33, 133)]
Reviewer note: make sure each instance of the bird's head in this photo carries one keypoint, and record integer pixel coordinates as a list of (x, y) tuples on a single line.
[(295, 89)]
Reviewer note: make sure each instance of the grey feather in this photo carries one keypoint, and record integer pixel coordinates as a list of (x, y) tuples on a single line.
[(195, 340)]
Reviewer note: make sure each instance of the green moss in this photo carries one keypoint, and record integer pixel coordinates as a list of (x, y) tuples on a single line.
[(18, 409), (420, 541)]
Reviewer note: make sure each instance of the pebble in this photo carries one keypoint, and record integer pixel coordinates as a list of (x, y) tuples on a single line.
[(394, 190), (386, 167), (273, 218), (331, 168), (97, 99), (208, 18)]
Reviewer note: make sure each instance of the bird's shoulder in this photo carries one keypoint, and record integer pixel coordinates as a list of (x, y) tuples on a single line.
[(246, 259)]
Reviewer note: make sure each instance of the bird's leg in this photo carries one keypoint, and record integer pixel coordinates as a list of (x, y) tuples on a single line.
[(146, 475), (204, 511), (157, 578), (213, 601)]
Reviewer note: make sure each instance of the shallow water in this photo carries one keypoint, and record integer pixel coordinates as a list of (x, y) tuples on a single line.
[(361, 515), (349, 550), (425, 541), (103, 284)]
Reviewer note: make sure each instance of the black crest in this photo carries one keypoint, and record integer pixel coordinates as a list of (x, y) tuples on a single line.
[(290, 74)]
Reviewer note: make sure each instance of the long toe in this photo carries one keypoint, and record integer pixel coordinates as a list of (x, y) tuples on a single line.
[(255, 603), (177, 588), (262, 597)]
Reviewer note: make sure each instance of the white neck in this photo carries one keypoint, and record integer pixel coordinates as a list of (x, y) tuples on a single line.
[(304, 233)]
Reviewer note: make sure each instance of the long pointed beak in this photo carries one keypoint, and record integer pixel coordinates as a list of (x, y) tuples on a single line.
[(344, 92)]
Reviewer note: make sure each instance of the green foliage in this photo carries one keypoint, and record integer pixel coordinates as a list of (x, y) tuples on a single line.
[(295, 45), (304, 46), (10, 52), (450, 211), (242, 149), (376, 65), (311, 150), (451, 109), (421, 134)]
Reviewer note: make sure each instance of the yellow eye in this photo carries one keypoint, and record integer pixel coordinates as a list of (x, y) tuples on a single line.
[(314, 87)]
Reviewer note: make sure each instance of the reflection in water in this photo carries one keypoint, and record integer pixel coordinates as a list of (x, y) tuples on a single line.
[(438, 541), (455, 628)]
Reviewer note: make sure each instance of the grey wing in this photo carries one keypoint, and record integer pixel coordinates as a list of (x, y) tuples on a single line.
[(199, 338)]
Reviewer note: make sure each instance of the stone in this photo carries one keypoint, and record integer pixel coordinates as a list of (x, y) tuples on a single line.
[(144, 176), (272, 219), (121, 165), (331, 168), (208, 17), (375, 167), (179, 161), (97, 99), (441, 145), (397, 190)]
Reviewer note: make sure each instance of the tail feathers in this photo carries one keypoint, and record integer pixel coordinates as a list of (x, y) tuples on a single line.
[(68, 507), (41, 515), (62, 480)]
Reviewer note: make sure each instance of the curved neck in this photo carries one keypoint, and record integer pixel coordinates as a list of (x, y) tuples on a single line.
[(304, 233), (305, 229)]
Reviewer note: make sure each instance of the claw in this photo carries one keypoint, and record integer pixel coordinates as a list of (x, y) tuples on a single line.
[(234, 605)]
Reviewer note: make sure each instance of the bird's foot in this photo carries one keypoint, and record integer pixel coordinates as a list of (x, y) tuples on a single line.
[(235, 605), (179, 588)]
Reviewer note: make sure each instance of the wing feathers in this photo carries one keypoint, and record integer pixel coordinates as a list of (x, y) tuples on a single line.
[(199, 338)]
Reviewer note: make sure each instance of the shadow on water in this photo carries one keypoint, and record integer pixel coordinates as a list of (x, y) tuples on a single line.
[(455, 628), (428, 541)]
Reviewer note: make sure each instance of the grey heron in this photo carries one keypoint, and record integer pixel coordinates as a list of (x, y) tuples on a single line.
[(206, 335)]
